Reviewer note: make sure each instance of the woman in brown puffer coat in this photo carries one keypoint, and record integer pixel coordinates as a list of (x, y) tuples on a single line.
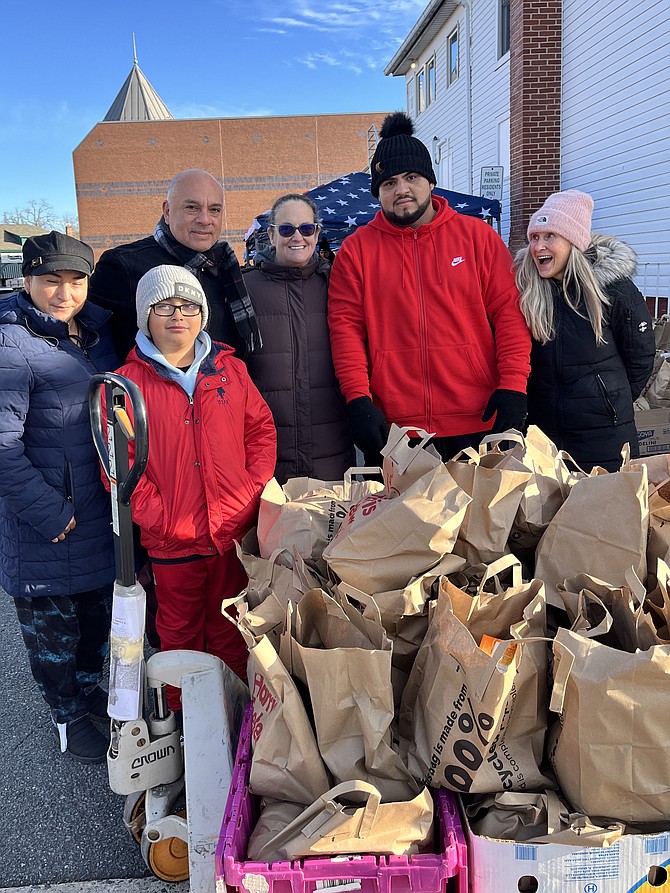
[(294, 369)]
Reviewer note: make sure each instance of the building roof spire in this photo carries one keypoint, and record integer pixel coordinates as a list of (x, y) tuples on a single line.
[(137, 100)]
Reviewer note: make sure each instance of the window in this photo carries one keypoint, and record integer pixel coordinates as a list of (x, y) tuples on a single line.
[(420, 91), (410, 96), (503, 27), (452, 57), (430, 81)]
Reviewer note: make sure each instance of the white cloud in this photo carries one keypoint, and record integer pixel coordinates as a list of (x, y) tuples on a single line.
[(396, 14), (202, 110), (352, 36)]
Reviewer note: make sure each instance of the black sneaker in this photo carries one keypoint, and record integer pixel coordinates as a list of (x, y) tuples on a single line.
[(96, 704), (81, 740)]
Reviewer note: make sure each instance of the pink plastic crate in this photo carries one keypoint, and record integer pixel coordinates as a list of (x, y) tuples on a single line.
[(425, 873)]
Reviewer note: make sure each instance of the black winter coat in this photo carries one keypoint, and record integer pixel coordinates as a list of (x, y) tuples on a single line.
[(294, 370), (114, 282), (580, 393)]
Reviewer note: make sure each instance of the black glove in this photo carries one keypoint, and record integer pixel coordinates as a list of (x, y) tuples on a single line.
[(510, 407), (369, 428)]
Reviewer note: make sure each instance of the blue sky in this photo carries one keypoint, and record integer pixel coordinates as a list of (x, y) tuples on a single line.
[(206, 58)]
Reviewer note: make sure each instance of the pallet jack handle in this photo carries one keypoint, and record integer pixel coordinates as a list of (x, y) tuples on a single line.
[(112, 447)]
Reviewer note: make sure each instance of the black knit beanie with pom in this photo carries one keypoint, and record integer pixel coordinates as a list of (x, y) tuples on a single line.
[(399, 152)]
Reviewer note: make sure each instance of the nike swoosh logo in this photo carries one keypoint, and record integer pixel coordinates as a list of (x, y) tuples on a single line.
[(456, 261)]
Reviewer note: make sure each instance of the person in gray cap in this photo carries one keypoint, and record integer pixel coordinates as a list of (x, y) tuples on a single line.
[(423, 311), (56, 546), (213, 449)]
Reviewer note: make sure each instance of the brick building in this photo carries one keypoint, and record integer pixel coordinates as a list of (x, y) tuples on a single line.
[(123, 166)]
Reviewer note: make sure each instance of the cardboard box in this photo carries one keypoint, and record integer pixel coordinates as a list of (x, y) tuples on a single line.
[(636, 863), (653, 430)]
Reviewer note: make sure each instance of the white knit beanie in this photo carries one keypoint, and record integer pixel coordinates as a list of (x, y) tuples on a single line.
[(161, 284), (567, 214)]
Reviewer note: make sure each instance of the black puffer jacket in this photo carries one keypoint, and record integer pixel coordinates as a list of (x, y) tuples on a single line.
[(581, 394), (294, 370), (114, 283)]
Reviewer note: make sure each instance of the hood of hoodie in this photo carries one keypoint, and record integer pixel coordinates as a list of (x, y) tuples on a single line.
[(443, 213), (187, 379), (611, 259)]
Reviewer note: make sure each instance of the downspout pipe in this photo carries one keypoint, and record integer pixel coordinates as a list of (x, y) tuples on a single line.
[(468, 93)]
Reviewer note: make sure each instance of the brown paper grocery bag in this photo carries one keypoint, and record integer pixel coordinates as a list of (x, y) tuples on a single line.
[(305, 514), (662, 333), (601, 530), (544, 493), (402, 612), (657, 603), (403, 464), (281, 575), (610, 751), (351, 697), (541, 817), (495, 481), (658, 393), (473, 714), (332, 826), (614, 615), (658, 544), (385, 541), (286, 762), (406, 631)]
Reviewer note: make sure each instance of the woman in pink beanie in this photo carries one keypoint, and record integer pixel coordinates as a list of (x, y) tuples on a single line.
[(593, 345)]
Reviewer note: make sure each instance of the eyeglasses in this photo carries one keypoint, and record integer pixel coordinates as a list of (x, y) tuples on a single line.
[(286, 230), (169, 309)]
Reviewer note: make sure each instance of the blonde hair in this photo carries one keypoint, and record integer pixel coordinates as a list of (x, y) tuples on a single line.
[(579, 287)]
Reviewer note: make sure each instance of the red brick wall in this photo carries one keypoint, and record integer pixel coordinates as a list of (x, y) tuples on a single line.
[(535, 109), (122, 169)]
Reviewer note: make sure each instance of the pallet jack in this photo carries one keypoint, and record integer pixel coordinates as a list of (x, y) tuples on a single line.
[(175, 786)]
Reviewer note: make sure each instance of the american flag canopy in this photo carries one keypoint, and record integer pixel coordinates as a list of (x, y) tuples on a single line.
[(347, 203)]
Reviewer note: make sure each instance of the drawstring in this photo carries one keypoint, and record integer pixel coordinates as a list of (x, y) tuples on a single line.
[(402, 275)]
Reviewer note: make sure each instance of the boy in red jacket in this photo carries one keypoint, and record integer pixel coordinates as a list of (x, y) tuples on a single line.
[(212, 449)]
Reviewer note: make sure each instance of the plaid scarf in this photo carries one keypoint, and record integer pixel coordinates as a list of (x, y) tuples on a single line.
[(219, 261)]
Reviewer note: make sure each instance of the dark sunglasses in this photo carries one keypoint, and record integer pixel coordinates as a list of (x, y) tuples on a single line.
[(286, 230)]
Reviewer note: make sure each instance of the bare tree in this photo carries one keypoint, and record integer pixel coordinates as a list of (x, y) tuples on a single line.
[(36, 212)]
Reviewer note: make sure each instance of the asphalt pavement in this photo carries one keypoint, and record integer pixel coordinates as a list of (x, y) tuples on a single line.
[(61, 824)]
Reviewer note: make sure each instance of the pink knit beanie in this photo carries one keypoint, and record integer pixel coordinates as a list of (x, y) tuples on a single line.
[(567, 214)]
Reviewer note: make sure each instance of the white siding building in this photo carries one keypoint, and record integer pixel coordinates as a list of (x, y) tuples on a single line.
[(589, 108)]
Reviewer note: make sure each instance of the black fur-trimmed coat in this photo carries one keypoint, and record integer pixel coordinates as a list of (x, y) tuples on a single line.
[(580, 393)]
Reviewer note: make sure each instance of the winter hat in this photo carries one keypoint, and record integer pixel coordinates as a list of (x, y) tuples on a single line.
[(161, 284), (567, 214), (398, 151), (55, 251)]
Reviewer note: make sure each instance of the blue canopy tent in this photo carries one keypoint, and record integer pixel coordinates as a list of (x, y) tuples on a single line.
[(347, 203)]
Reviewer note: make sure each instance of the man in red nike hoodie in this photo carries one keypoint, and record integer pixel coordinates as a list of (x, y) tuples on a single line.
[(424, 313)]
